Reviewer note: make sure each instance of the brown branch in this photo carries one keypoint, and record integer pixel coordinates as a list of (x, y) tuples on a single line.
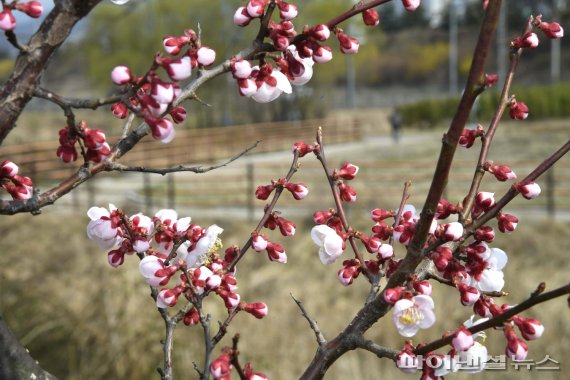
[(500, 319), (31, 63), (235, 357), (405, 197), (376, 349), (339, 207), (75, 103), (371, 312), (113, 166), (512, 193), (268, 210), (224, 326), (312, 323), (488, 137)]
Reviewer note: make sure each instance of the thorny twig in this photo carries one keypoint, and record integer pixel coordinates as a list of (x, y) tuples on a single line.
[(312, 323)]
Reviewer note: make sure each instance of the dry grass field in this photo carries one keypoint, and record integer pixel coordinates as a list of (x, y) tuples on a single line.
[(83, 319)]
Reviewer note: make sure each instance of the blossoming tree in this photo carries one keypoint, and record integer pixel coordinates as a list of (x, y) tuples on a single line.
[(407, 253)]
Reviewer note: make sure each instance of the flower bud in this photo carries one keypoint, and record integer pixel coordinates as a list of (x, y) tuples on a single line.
[(378, 215), (119, 110), (469, 294), (255, 8), (263, 192), (275, 252), (348, 171), (121, 75), (407, 361), (241, 17), (490, 80), (462, 339), (423, 287), (518, 110), (178, 114), (168, 297), (452, 231), (371, 17), (320, 32), (192, 317), (287, 11), (350, 271), (348, 45), (528, 189), (530, 328), (502, 172), (7, 20), (551, 30), (172, 45), (33, 9), (372, 244), (231, 300), (221, 367), (321, 217), (323, 54), (259, 242), (241, 68), (485, 200), (206, 56), (485, 233), (179, 68), (8, 169), (516, 349), (347, 193), (507, 223), (286, 227), (393, 295), (411, 5), (299, 190), (385, 252), (257, 309)]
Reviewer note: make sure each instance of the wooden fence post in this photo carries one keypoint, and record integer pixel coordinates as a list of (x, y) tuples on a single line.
[(250, 191)]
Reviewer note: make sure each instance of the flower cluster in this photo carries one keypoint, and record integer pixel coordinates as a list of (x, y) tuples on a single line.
[(298, 52), (33, 9), (94, 140), (170, 247), (151, 97), (19, 187)]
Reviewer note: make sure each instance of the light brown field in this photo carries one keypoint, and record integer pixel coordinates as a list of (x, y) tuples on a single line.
[(85, 320)]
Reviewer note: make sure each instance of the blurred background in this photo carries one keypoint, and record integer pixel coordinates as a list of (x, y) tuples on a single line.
[(84, 320)]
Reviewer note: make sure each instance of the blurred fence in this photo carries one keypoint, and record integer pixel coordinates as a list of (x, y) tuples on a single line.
[(38, 160)]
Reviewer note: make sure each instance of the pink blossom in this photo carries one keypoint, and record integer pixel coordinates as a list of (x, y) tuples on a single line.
[(320, 32), (255, 8), (259, 242), (179, 68), (322, 54), (385, 252), (462, 339), (8, 169), (121, 75), (287, 11), (241, 68), (33, 9), (518, 110), (7, 20), (371, 17), (348, 45), (242, 17), (530, 328), (163, 130), (168, 297), (257, 309), (299, 190), (155, 272), (528, 189), (507, 222), (276, 253), (411, 5), (206, 56), (452, 231), (551, 30), (162, 92), (348, 172)]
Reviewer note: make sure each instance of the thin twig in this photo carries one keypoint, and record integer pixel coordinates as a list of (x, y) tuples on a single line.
[(268, 211), (224, 326), (376, 349), (235, 358), (339, 207), (405, 197), (500, 319), (312, 323), (115, 166), (488, 137)]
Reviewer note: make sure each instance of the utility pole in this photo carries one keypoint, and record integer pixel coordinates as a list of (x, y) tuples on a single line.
[(453, 48), (555, 44)]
